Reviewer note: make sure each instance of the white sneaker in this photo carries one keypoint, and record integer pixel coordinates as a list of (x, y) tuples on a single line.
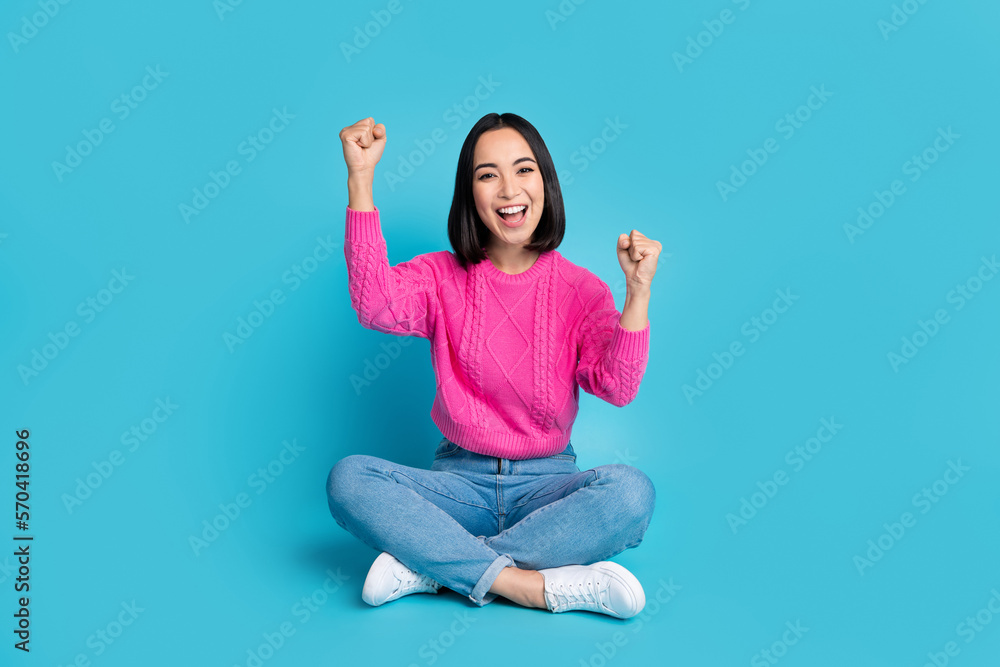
[(388, 579), (604, 587)]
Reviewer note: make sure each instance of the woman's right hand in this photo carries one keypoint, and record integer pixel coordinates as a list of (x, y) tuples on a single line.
[(363, 145)]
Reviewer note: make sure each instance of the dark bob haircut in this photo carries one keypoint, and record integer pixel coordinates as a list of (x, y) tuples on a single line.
[(466, 231)]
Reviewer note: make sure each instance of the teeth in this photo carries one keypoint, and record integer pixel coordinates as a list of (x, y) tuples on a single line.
[(512, 209)]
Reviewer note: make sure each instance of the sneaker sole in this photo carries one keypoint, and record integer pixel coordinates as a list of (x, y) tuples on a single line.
[(376, 575), (630, 579)]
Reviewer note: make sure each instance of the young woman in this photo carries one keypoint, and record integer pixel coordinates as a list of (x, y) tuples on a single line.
[(515, 330)]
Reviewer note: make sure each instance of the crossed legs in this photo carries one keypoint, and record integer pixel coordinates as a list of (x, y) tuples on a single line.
[(445, 525)]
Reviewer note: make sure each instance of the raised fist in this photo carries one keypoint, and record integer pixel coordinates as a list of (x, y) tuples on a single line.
[(363, 145)]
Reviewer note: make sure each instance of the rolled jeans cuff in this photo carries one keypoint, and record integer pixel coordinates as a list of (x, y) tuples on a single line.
[(480, 594)]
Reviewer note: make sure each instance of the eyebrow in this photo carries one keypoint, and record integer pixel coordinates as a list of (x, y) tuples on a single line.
[(490, 164)]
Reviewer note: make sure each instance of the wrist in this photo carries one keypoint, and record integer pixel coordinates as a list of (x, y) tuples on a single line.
[(637, 292), (360, 176), (359, 192), (635, 312)]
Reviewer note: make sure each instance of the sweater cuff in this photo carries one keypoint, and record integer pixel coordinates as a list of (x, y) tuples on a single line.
[(627, 344), (363, 226)]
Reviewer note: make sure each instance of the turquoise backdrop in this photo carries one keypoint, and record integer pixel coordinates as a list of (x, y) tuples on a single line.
[(819, 412)]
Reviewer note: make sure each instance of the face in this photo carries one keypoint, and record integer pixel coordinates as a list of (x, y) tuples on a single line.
[(506, 177)]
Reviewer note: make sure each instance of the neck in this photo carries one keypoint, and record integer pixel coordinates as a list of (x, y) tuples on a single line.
[(512, 259)]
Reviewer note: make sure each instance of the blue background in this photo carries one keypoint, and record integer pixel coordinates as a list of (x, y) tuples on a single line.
[(682, 128)]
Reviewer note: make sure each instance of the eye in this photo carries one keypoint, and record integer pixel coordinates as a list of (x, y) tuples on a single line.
[(489, 173)]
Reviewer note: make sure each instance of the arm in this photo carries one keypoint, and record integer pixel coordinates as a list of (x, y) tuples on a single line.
[(635, 313), (359, 192), (612, 358), (401, 299), (392, 299), (638, 256)]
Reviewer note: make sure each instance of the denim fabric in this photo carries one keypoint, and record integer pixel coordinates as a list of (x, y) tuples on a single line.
[(469, 516)]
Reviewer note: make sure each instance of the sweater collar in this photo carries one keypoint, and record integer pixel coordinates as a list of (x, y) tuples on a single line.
[(536, 269)]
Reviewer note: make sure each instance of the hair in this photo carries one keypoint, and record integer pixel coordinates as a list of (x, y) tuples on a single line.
[(466, 231)]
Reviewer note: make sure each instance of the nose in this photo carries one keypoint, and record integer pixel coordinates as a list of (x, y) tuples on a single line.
[(509, 189)]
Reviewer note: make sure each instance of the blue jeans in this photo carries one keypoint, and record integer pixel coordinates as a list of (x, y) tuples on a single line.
[(469, 516)]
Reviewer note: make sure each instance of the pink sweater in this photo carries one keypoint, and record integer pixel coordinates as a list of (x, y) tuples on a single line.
[(510, 352)]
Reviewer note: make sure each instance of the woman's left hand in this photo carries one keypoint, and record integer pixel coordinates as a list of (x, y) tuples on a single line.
[(637, 256)]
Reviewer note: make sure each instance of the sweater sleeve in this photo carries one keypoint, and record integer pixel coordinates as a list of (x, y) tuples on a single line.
[(612, 360), (399, 300)]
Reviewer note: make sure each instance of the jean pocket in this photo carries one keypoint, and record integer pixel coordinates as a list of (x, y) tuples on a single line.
[(445, 449), (567, 454)]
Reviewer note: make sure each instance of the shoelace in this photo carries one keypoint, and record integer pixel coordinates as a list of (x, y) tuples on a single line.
[(586, 592), (418, 580)]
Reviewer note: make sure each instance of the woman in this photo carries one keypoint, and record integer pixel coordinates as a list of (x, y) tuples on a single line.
[(515, 331)]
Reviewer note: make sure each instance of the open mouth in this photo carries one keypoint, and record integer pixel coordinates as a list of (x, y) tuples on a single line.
[(513, 216)]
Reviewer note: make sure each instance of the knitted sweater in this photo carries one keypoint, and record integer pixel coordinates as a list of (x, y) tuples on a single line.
[(510, 352)]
